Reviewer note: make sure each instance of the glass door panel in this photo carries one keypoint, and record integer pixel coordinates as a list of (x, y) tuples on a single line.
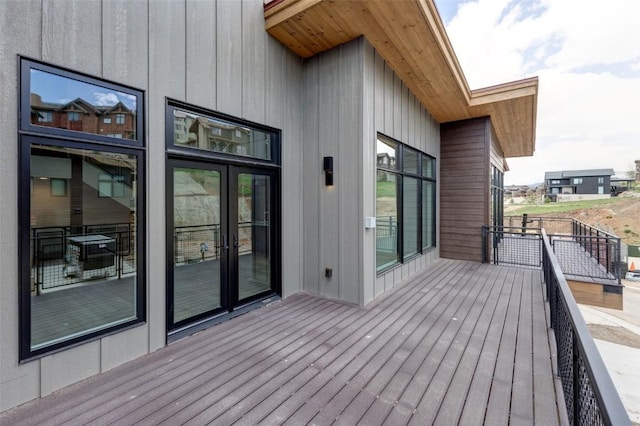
[(253, 238), (197, 251), (221, 233)]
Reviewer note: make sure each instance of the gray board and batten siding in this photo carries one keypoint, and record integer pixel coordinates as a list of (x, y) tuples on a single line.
[(351, 95), (212, 54), (468, 150)]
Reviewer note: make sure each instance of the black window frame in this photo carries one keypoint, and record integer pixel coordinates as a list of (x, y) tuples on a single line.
[(25, 125), (30, 135), (172, 105), (400, 174), (497, 196)]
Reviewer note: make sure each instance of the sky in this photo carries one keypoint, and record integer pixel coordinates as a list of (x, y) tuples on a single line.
[(586, 54), (60, 90)]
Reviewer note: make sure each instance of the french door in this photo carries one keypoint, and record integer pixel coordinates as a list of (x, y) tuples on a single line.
[(222, 232)]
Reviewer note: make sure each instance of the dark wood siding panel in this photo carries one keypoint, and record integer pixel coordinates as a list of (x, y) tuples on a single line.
[(464, 197)]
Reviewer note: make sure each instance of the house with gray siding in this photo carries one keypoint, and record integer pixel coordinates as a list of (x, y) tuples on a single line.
[(571, 185), (269, 150)]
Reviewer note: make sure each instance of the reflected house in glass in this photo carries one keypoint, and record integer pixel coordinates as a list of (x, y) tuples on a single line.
[(211, 134), (79, 115), (217, 136)]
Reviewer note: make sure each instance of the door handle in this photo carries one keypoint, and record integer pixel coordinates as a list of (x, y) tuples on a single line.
[(225, 246), (236, 243)]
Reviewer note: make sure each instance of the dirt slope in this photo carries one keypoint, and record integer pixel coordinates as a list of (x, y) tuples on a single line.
[(621, 217)]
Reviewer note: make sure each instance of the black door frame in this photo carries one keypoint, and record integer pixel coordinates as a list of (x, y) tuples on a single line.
[(229, 279), (234, 279)]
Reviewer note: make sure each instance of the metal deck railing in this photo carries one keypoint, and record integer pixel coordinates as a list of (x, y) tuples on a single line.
[(589, 394), (582, 250), (66, 255)]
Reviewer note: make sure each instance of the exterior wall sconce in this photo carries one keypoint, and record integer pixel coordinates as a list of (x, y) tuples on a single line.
[(328, 171)]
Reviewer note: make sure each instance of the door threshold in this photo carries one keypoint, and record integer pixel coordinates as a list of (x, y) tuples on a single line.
[(194, 328)]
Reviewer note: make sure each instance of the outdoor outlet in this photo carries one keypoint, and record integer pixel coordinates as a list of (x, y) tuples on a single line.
[(328, 272), (369, 222)]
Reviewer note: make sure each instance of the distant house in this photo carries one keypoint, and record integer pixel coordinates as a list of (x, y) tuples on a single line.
[(569, 185), (620, 184), (115, 121), (513, 191)]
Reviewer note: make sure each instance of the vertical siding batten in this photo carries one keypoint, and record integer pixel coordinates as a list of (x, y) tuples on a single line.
[(292, 200), (124, 42), (329, 144), (253, 61), (79, 45), (349, 151), (311, 174), (372, 98), (18, 36), (201, 53), (229, 57)]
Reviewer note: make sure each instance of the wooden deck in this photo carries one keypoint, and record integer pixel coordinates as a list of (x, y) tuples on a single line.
[(460, 343)]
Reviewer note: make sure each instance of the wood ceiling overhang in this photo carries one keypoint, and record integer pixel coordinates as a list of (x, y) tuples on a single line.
[(410, 35)]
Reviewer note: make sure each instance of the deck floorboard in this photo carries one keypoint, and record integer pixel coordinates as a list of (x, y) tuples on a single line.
[(460, 343)]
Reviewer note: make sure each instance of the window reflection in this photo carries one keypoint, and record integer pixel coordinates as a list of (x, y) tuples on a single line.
[(411, 220), (386, 220), (217, 135), (83, 257), (410, 161), (386, 153), (65, 103), (428, 166), (428, 214)]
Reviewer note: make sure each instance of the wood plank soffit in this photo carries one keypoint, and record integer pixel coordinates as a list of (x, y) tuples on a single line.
[(411, 37)]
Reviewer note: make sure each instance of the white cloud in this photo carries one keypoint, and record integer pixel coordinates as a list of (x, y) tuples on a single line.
[(128, 100), (105, 99), (587, 56)]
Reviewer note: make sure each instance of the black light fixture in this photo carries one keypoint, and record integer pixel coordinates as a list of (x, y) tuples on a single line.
[(328, 171)]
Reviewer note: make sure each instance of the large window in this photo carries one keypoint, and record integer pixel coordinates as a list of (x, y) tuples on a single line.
[(81, 213), (405, 203)]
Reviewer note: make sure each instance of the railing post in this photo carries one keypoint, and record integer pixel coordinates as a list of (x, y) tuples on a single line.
[(575, 366), (484, 244), (617, 258), (119, 262)]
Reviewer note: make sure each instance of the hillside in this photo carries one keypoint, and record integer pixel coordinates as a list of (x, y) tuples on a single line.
[(619, 216)]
